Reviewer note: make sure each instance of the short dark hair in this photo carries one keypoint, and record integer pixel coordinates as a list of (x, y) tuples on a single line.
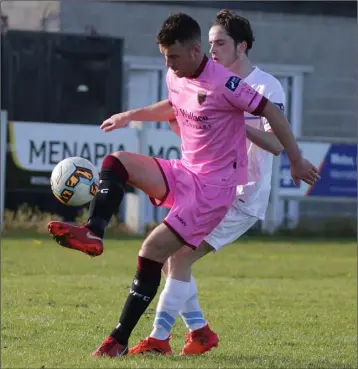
[(237, 27), (178, 27)]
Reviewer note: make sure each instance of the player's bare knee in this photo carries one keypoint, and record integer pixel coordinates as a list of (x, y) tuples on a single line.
[(180, 261), (123, 157), (179, 268), (165, 268), (160, 244), (156, 248), (154, 251)]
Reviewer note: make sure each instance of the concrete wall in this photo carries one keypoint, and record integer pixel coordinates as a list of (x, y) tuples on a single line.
[(28, 14)]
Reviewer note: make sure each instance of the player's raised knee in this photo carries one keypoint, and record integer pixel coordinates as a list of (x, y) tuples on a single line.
[(123, 156), (112, 163)]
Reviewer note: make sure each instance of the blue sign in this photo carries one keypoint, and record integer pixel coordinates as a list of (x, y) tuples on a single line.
[(337, 165), (338, 173), (285, 172)]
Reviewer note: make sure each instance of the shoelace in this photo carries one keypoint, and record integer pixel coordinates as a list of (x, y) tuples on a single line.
[(189, 337), (143, 343)]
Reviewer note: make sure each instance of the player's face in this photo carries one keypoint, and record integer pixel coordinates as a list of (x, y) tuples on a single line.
[(222, 46), (181, 58)]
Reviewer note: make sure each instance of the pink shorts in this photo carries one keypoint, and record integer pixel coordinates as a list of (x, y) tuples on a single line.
[(195, 208)]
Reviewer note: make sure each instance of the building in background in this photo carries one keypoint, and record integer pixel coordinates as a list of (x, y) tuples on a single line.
[(311, 47)]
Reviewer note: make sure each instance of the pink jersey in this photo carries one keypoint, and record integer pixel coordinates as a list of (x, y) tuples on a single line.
[(209, 108)]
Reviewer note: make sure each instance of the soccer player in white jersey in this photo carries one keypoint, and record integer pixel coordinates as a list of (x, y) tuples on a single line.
[(230, 40)]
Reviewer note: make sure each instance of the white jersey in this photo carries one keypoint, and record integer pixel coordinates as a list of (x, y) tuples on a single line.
[(253, 197)]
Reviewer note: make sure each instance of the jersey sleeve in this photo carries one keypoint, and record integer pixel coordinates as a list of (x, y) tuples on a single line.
[(278, 98), (242, 96)]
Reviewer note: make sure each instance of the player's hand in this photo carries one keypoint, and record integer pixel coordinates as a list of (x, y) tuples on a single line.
[(115, 121), (305, 171)]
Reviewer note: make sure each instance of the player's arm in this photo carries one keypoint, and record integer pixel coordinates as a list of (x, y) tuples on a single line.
[(160, 111), (282, 130), (242, 96), (265, 140)]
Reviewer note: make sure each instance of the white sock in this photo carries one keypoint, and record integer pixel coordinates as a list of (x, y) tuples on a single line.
[(191, 312), (172, 298)]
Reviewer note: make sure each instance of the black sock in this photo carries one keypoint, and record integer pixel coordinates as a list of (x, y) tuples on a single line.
[(113, 178), (143, 290)]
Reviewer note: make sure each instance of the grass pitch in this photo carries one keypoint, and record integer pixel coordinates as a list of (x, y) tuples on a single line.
[(274, 304)]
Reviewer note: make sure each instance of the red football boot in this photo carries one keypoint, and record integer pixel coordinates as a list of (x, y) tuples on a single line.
[(77, 238), (110, 348)]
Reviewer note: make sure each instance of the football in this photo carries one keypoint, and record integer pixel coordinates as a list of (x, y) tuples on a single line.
[(74, 181)]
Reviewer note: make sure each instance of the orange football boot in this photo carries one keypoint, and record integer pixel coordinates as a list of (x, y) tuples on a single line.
[(151, 345), (199, 341)]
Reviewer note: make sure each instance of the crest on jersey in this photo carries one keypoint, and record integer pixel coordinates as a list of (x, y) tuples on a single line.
[(201, 97)]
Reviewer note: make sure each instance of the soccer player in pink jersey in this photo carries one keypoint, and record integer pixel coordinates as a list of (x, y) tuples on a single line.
[(230, 39), (209, 103)]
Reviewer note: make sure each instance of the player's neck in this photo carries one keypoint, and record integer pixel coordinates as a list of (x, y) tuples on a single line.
[(242, 66), (199, 65)]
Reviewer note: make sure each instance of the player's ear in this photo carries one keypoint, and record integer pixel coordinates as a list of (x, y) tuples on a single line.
[(241, 48), (196, 50)]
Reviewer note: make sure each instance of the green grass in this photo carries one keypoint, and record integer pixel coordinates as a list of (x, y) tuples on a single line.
[(273, 305)]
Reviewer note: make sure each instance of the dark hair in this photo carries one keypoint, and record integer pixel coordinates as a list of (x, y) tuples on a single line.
[(178, 27), (237, 27)]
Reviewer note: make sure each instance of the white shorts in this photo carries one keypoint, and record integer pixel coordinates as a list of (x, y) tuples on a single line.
[(233, 226)]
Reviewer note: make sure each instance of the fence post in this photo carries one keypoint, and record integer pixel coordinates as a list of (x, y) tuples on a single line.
[(3, 151), (135, 204)]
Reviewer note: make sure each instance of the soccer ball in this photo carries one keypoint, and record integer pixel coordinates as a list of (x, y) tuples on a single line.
[(74, 181)]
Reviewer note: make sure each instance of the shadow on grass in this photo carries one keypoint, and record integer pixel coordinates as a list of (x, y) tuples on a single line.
[(44, 236), (245, 239)]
